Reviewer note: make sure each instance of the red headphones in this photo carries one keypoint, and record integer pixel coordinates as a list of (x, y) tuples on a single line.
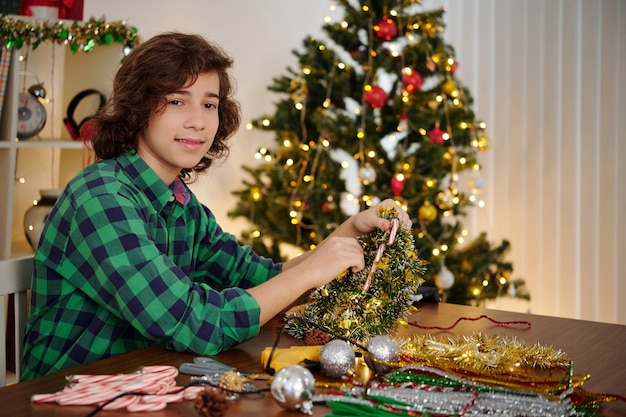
[(75, 128)]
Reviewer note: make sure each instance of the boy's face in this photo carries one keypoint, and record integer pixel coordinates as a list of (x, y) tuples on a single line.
[(180, 135)]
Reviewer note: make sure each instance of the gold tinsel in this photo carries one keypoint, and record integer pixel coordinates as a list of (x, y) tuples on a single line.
[(498, 360), (80, 36)]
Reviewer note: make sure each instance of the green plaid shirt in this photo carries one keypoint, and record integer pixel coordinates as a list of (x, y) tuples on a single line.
[(123, 265)]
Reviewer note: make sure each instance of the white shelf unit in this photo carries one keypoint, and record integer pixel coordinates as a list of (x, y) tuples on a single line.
[(50, 160)]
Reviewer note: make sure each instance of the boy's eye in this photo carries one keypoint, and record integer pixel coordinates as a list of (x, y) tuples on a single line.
[(175, 102), (210, 105)]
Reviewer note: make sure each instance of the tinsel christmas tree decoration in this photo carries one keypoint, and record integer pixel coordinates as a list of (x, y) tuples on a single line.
[(361, 305)]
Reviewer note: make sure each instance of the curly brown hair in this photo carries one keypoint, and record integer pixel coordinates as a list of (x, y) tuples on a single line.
[(164, 63)]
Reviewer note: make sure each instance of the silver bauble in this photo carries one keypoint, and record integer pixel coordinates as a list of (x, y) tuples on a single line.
[(383, 349), (293, 387), (444, 279), (336, 358)]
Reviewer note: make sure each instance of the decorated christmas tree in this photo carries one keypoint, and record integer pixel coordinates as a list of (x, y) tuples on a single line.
[(376, 111)]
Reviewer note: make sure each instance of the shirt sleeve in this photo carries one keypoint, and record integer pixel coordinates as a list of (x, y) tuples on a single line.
[(118, 263), (222, 262)]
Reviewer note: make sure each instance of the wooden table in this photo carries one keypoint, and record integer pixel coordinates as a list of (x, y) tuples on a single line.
[(597, 349)]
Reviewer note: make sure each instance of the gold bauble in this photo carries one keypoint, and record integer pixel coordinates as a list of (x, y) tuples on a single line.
[(427, 212), (256, 194), (449, 87), (484, 143)]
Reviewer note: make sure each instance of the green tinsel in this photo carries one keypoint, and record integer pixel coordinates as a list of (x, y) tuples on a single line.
[(345, 309), (80, 36)]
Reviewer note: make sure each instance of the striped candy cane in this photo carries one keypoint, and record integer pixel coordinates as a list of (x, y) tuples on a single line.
[(150, 389), (379, 254)]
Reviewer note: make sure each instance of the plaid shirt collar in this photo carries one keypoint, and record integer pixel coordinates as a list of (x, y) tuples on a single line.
[(151, 184)]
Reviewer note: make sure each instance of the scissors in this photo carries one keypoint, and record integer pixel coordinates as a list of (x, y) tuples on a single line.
[(208, 366)]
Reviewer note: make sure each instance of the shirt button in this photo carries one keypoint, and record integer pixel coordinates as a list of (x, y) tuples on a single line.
[(172, 198)]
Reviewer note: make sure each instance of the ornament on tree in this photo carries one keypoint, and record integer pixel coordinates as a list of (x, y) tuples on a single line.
[(483, 143), (444, 280), (452, 68), (367, 174), (397, 184), (430, 29), (293, 387), (403, 124), (411, 80), (386, 29), (430, 64), (476, 184), (298, 90), (256, 194), (436, 135), (375, 96), (449, 87), (427, 212), (336, 358)]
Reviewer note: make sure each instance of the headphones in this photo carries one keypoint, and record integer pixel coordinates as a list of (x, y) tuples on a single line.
[(72, 127)]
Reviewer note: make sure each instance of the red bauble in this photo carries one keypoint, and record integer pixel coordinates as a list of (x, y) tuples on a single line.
[(375, 96), (396, 186), (386, 29), (411, 80)]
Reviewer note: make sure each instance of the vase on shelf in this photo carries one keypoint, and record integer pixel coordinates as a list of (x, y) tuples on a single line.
[(36, 216)]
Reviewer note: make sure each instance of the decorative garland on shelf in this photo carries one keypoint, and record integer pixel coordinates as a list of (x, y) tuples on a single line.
[(80, 36)]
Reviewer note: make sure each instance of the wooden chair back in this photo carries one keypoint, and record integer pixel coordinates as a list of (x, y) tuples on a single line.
[(15, 281)]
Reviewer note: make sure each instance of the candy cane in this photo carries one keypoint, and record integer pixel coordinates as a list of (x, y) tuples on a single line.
[(150, 389), (395, 223), (379, 254), (141, 406), (191, 393), (122, 402)]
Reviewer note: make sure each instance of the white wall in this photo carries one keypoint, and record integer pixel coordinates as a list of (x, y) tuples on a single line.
[(545, 78)]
